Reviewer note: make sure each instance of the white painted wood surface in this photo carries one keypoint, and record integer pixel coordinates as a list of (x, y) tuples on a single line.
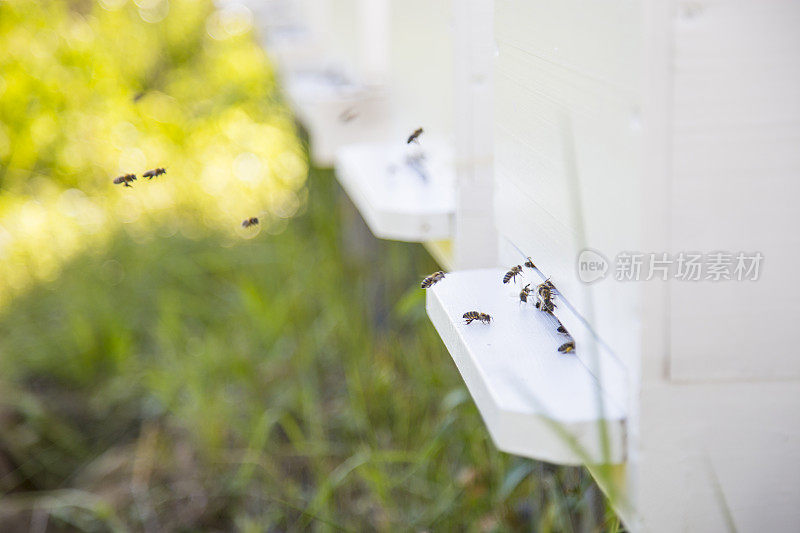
[(432, 48), (341, 34), (597, 356), (330, 67), (374, 59), (735, 185), (404, 192), (617, 126), (335, 111), (712, 449), (668, 127), (269, 14), (473, 99), (421, 68), (347, 35), (714, 443), (290, 34), (535, 401), (567, 138)]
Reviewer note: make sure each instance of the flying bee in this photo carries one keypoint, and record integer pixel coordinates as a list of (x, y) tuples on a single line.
[(252, 221), (413, 138), (432, 279), (512, 274), (150, 174), (475, 315), (529, 263), (125, 180), (524, 293), (348, 114), (567, 347)]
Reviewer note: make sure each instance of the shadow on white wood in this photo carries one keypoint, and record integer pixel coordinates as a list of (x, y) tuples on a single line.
[(404, 192)]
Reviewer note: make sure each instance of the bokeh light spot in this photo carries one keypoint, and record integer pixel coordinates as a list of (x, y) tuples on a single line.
[(247, 167), (229, 21)]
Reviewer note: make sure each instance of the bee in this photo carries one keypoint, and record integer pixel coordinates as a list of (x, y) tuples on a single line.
[(549, 284), (348, 114), (544, 293), (414, 136), (561, 329), (150, 174), (512, 274), (545, 305), (546, 289), (125, 180), (567, 347), (252, 221), (432, 279), (474, 315), (529, 263), (524, 293), (544, 300)]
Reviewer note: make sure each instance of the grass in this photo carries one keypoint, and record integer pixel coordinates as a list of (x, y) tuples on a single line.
[(164, 371), (289, 380)]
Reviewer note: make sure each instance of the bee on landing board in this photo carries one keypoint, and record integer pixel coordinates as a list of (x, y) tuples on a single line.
[(125, 180), (432, 279), (529, 263), (567, 347), (561, 329), (252, 221), (150, 174), (544, 297), (549, 284), (413, 138), (525, 293), (546, 289), (475, 315), (545, 305), (544, 293), (512, 274)]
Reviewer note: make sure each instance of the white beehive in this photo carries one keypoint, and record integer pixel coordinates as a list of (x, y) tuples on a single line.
[(616, 127), (330, 58), (439, 70), (627, 127), (407, 191), (390, 67)]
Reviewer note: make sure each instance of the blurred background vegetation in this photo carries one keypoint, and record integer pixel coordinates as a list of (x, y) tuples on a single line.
[(164, 369)]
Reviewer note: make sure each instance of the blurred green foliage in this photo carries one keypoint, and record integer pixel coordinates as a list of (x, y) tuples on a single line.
[(90, 92), (164, 369)]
